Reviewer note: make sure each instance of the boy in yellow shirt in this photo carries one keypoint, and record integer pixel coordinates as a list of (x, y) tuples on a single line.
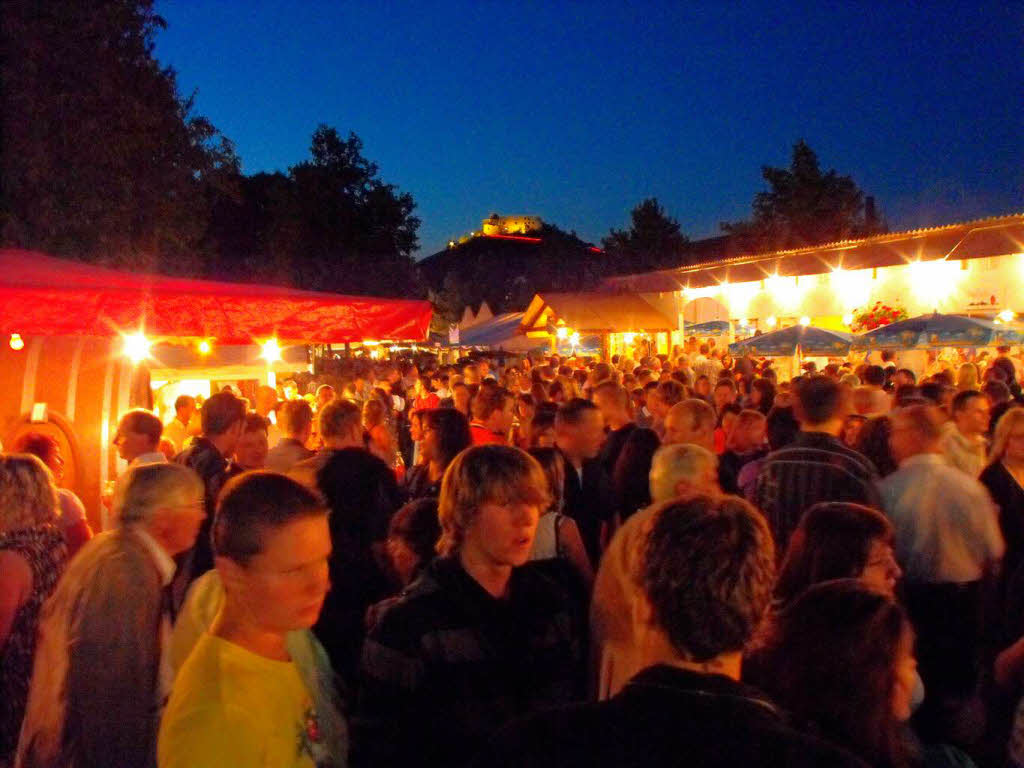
[(239, 698)]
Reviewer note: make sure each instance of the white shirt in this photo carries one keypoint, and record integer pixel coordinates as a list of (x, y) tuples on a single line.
[(154, 457), (165, 565)]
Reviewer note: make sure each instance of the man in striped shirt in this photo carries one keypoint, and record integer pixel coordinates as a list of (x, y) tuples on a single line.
[(816, 466)]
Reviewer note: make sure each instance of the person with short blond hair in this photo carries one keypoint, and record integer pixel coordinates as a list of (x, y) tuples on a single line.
[(297, 424), (682, 469), (482, 635)]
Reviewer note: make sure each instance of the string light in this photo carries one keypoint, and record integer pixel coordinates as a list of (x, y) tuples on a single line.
[(17, 343), (136, 347), (271, 351), (205, 347)]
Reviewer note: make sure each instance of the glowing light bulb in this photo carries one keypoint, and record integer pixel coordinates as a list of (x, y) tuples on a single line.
[(271, 350), (628, 338), (136, 347), (847, 318), (204, 347), (1007, 315), (771, 321), (17, 343), (805, 320), (562, 332), (574, 339), (744, 322)]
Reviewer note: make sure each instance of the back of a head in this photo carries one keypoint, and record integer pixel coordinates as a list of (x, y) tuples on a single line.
[(296, 417), (697, 413), (144, 489), (220, 413), (707, 568), (924, 421), (42, 446), (963, 399), (487, 401), (253, 504), (183, 402), (28, 497), (418, 526), (831, 659), (143, 422), (671, 392), (874, 375), (819, 400), (681, 463), (572, 413), (551, 461), (612, 393), (832, 541), (339, 418), (873, 443), (781, 426)]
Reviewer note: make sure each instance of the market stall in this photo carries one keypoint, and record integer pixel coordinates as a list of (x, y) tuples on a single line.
[(83, 343)]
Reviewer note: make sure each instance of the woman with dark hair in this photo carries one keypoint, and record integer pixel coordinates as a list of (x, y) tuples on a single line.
[(445, 433), (762, 395), (631, 483), (873, 443), (838, 540), (525, 409), (542, 427), (841, 661), (557, 535)]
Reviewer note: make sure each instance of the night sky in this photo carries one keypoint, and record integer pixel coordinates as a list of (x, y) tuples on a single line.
[(575, 111)]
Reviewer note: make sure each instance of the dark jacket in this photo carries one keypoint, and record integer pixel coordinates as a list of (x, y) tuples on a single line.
[(448, 664), (207, 462), (362, 494), (665, 716), (589, 502)]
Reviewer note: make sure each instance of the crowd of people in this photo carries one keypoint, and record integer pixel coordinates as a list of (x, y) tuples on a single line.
[(545, 560)]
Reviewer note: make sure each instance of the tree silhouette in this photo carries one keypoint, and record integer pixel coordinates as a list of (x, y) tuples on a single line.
[(653, 241)]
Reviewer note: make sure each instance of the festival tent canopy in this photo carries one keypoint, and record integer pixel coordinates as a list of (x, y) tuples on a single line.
[(595, 313), (813, 342), (500, 332), (937, 330), (42, 295)]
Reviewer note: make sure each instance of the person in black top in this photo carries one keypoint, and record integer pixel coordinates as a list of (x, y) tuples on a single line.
[(223, 419), (445, 433), (613, 402), (579, 435), (481, 637), (703, 578), (362, 494)]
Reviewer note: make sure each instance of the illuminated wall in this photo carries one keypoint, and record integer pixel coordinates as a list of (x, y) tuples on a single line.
[(994, 283)]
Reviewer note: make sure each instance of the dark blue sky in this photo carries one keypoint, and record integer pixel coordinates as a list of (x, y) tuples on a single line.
[(575, 111)]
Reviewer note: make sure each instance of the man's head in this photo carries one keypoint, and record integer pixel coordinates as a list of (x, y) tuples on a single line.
[(491, 498), (251, 448), (184, 407), (705, 578), (266, 400), (667, 394), (683, 470), (340, 424), (494, 408), (166, 499), (324, 394), (691, 421), (138, 432), (748, 432), (971, 412), (579, 429), (821, 404), (271, 543), (223, 418), (904, 378), (461, 396), (915, 429), (724, 393), (613, 402), (297, 420)]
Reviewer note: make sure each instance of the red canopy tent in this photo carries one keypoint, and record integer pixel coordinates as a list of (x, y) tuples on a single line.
[(42, 295)]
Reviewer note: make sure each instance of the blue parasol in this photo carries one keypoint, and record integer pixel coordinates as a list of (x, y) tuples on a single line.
[(815, 342), (710, 328), (937, 330)]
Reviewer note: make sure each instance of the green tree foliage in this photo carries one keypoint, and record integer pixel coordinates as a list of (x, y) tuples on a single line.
[(804, 206), (653, 241), (102, 159), (330, 224)]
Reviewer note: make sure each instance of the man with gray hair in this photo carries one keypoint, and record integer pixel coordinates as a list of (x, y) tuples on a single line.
[(101, 674)]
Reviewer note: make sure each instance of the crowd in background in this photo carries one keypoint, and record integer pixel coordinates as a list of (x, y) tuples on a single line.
[(532, 561)]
